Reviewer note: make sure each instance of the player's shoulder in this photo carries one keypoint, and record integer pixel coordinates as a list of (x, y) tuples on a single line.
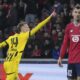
[(15, 35), (24, 33), (69, 25)]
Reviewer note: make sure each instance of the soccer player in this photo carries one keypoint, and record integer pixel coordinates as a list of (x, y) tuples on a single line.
[(17, 44), (71, 43)]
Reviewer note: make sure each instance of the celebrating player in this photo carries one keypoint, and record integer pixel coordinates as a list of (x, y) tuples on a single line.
[(17, 44)]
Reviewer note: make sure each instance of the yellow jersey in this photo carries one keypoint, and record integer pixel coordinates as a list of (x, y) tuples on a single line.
[(17, 42)]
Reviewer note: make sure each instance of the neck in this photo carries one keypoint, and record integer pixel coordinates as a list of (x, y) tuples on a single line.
[(76, 22)]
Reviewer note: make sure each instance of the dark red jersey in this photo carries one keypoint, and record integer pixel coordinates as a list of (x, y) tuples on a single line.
[(71, 43)]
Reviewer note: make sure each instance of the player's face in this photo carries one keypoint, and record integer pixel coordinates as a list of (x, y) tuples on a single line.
[(76, 14), (25, 28)]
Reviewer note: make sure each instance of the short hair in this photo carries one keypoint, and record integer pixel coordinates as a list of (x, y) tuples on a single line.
[(22, 23), (77, 6)]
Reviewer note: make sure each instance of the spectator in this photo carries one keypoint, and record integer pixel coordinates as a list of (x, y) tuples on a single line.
[(31, 11), (57, 6), (36, 53), (46, 45), (12, 16), (21, 10), (55, 52), (1, 17)]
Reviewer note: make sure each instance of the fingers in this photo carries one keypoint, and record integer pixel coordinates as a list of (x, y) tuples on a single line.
[(53, 13), (60, 62)]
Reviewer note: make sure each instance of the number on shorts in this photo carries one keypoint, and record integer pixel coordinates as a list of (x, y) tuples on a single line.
[(9, 57)]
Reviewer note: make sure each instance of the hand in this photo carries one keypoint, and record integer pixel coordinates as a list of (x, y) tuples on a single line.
[(53, 13), (60, 62)]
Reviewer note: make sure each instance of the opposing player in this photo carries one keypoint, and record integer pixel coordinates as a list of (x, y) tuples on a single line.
[(72, 43), (17, 44)]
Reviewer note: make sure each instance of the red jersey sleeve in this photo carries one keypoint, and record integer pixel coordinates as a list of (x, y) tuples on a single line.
[(65, 43)]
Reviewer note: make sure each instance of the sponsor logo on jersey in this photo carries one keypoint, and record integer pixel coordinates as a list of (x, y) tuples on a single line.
[(75, 38)]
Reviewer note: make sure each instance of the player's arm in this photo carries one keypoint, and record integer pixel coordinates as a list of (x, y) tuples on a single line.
[(40, 25), (3, 44), (64, 47)]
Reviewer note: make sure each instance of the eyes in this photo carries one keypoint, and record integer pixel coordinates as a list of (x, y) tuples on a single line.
[(77, 12)]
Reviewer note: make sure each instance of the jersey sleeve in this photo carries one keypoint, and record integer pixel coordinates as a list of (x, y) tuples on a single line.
[(3, 44), (39, 26), (65, 43)]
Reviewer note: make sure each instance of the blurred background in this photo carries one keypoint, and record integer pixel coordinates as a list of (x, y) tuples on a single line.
[(47, 42)]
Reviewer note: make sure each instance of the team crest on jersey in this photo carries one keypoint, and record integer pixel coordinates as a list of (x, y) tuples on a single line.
[(75, 38), (71, 30)]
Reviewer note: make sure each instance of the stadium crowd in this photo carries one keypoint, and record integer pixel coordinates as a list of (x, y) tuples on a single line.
[(47, 42)]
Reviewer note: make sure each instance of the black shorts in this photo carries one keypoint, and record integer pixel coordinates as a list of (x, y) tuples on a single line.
[(73, 71)]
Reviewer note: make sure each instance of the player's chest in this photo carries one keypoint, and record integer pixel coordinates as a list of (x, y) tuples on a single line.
[(74, 31), (74, 34)]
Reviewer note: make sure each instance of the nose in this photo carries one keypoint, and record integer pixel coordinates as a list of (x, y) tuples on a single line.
[(78, 13)]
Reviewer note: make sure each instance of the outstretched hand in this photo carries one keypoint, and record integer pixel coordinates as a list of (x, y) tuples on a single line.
[(53, 14)]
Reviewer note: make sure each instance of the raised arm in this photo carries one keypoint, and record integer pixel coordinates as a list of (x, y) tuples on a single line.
[(40, 25)]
